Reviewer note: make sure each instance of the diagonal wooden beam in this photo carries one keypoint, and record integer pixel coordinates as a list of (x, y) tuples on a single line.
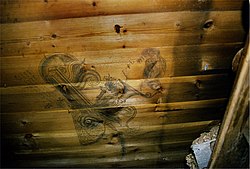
[(231, 149)]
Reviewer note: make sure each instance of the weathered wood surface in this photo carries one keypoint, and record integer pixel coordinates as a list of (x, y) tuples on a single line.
[(67, 137), (194, 40), (169, 22), (26, 122), (98, 33), (117, 42), (45, 149), (22, 11), (172, 160), (178, 59), (178, 89)]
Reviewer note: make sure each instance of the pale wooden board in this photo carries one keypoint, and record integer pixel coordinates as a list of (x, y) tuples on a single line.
[(60, 139), (180, 61), (27, 10), (152, 23), (142, 31), (97, 43)]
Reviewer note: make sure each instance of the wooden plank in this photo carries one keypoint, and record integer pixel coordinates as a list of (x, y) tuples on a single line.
[(84, 151), (29, 122), (102, 151), (246, 131), (140, 159), (54, 143), (97, 43), (154, 134), (152, 23), (81, 34), (27, 10), (180, 61), (231, 149), (171, 137), (176, 105), (177, 89)]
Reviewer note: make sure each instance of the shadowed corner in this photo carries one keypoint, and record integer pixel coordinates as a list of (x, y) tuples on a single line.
[(245, 17)]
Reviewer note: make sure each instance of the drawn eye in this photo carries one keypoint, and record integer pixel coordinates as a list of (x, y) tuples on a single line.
[(155, 86), (89, 122), (62, 69)]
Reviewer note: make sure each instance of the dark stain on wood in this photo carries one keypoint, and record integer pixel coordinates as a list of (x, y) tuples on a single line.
[(29, 142), (117, 28), (198, 83), (54, 36), (208, 25), (24, 122)]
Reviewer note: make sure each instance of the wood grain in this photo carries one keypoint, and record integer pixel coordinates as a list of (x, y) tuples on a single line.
[(134, 160), (180, 61), (98, 43), (176, 90), (26, 10), (133, 24), (196, 38), (98, 33), (29, 122), (174, 142), (59, 139)]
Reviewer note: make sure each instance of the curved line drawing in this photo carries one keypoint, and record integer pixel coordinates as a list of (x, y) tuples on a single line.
[(69, 75)]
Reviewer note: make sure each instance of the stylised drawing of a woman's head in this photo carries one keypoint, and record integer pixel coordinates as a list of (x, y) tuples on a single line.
[(155, 65), (148, 66)]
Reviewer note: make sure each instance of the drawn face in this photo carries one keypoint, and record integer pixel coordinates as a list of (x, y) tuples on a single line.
[(134, 70), (149, 65)]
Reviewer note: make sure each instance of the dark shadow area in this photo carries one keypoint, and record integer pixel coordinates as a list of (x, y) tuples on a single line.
[(7, 155), (245, 16), (202, 66)]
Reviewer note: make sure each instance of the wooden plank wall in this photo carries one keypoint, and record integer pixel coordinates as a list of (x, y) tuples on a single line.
[(195, 41)]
